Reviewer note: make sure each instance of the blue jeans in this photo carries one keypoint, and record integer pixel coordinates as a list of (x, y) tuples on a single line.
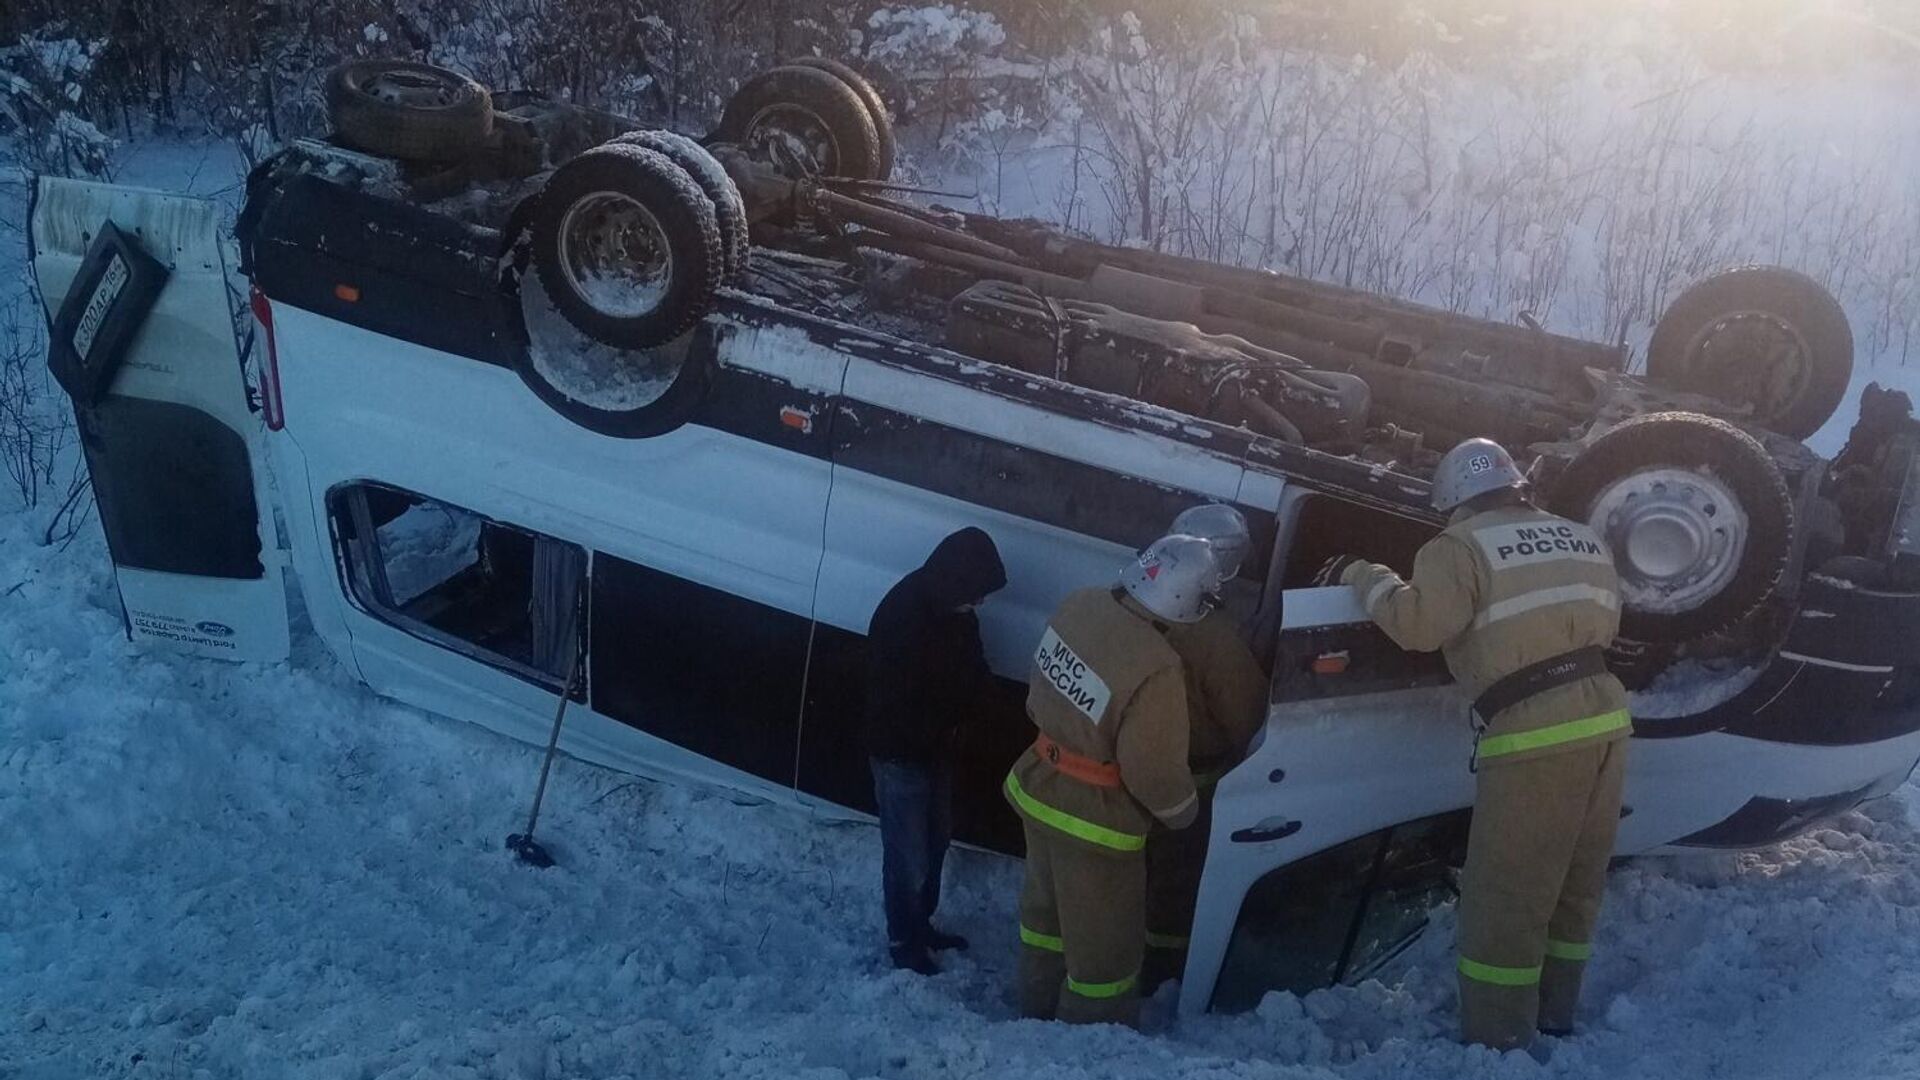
[(916, 827)]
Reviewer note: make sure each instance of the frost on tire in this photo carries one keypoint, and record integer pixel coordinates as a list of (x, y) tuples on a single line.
[(410, 111), (807, 116), (1758, 336), (627, 258), (729, 211), (876, 109), (628, 247), (1699, 520)]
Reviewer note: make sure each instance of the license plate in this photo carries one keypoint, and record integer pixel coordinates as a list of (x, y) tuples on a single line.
[(112, 283)]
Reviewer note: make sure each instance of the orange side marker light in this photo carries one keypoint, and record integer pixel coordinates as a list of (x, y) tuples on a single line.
[(1333, 663)]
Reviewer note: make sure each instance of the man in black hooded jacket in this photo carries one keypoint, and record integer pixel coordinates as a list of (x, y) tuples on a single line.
[(927, 674)]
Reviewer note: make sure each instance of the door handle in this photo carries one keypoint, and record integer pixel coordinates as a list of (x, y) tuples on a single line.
[(1269, 829)]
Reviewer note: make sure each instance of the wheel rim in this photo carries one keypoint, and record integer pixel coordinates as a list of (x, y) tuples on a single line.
[(614, 255), (1677, 536), (798, 132), (1754, 357), (413, 89)]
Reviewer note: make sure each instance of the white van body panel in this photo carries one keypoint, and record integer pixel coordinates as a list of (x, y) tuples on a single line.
[(697, 503), (1135, 453), (1346, 767), (878, 529), (183, 353)]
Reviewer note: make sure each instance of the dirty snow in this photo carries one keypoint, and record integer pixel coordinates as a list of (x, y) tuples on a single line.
[(221, 871), (584, 369), (1693, 687)]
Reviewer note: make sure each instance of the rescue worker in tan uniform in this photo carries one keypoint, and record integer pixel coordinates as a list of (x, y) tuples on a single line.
[(1110, 701), (1521, 603), (1226, 701)]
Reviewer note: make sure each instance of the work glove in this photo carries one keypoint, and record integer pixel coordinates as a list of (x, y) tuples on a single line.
[(1334, 570)]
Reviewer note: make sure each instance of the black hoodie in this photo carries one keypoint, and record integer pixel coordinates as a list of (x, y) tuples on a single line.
[(927, 671)]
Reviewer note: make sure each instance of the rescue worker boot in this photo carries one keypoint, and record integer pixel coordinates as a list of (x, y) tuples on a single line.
[(1521, 886)]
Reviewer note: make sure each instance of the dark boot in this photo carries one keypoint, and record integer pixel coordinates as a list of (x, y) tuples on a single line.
[(941, 941), (914, 958)]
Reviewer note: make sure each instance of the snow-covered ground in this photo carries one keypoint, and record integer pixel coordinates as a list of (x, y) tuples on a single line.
[(264, 871)]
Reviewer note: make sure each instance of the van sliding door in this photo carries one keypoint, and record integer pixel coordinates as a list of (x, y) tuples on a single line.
[(703, 599), (1068, 501)]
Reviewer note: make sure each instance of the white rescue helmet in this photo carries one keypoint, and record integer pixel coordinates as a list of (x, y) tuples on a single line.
[(1472, 469), (1223, 527), (1175, 578)]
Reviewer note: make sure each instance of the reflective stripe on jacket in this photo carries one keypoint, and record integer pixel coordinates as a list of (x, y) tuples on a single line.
[(1501, 590), (1106, 686)]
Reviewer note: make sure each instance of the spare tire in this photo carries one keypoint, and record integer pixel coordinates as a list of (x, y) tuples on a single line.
[(876, 108), (729, 211), (1758, 336), (807, 110), (627, 246), (415, 112), (1699, 520)]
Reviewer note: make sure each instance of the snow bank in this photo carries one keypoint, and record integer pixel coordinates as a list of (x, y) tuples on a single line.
[(265, 871)]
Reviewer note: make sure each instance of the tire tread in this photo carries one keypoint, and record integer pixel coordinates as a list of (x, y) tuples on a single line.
[(1694, 441)]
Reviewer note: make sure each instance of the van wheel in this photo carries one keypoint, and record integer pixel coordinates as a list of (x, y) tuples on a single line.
[(876, 108), (1698, 517), (729, 211), (627, 246), (415, 112), (805, 116), (1761, 336)]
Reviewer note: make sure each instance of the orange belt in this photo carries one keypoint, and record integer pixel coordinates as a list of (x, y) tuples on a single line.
[(1079, 766)]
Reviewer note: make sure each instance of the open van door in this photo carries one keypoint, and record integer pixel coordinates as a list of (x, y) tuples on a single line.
[(142, 340), (1332, 839)]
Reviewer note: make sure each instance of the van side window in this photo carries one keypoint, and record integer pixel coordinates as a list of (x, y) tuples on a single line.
[(1330, 526), (489, 590)]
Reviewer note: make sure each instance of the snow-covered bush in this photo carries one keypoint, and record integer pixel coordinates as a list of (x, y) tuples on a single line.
[(36, 430), (945, 65), (44, 84)]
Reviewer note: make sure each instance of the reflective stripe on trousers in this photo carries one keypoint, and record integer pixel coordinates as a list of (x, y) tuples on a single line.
[(1077, 827), (1495, 975), (1570, 951), (1049, 942), (1103, 990), (1052, 943), (1573, 952)]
